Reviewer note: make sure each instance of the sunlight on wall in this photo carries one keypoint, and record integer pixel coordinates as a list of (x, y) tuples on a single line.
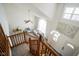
[(70, 46), (55, 35), (42, 26)]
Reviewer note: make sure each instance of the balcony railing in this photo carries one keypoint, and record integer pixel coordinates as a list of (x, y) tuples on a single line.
[(37, 45)]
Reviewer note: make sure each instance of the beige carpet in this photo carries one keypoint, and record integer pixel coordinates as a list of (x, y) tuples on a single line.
[(21, 50)]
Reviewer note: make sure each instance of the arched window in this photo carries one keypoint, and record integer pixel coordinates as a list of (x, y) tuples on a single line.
[(55, 35)]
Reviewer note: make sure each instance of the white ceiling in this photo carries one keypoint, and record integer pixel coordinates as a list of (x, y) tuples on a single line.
[(46, 9)]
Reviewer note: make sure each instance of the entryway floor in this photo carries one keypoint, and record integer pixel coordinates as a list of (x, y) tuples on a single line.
[(21, 50)]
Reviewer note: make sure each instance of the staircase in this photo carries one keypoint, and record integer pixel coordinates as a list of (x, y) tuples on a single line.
[(24, 44)]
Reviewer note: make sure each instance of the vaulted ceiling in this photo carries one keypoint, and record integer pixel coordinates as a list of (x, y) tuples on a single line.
[(44, 9)]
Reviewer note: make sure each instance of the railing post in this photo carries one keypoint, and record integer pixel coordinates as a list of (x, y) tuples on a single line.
[(40, 37), (39, 40), (38, 47), (30, 44), (24, 36)]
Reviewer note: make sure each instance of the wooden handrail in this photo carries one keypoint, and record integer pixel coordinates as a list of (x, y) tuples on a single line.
[(4, 44), (33, 45), (17, 39), (48, 50), (42, 47), (16, 34)]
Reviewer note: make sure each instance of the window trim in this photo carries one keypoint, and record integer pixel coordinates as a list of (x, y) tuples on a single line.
[(70, 13)]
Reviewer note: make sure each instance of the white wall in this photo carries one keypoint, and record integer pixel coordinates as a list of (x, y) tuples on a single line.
[(48, 13), (16, 14), (47, 8), (63, 39), (3, 20)]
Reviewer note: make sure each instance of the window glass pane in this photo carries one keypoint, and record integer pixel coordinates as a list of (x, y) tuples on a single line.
[(55, 35), (75, 17), (68, 10), (66, 16), (76, 11)]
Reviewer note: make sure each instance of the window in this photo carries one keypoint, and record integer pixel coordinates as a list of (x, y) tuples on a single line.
[(71, 13), (68, 10), (42, 25), (55, 35)]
